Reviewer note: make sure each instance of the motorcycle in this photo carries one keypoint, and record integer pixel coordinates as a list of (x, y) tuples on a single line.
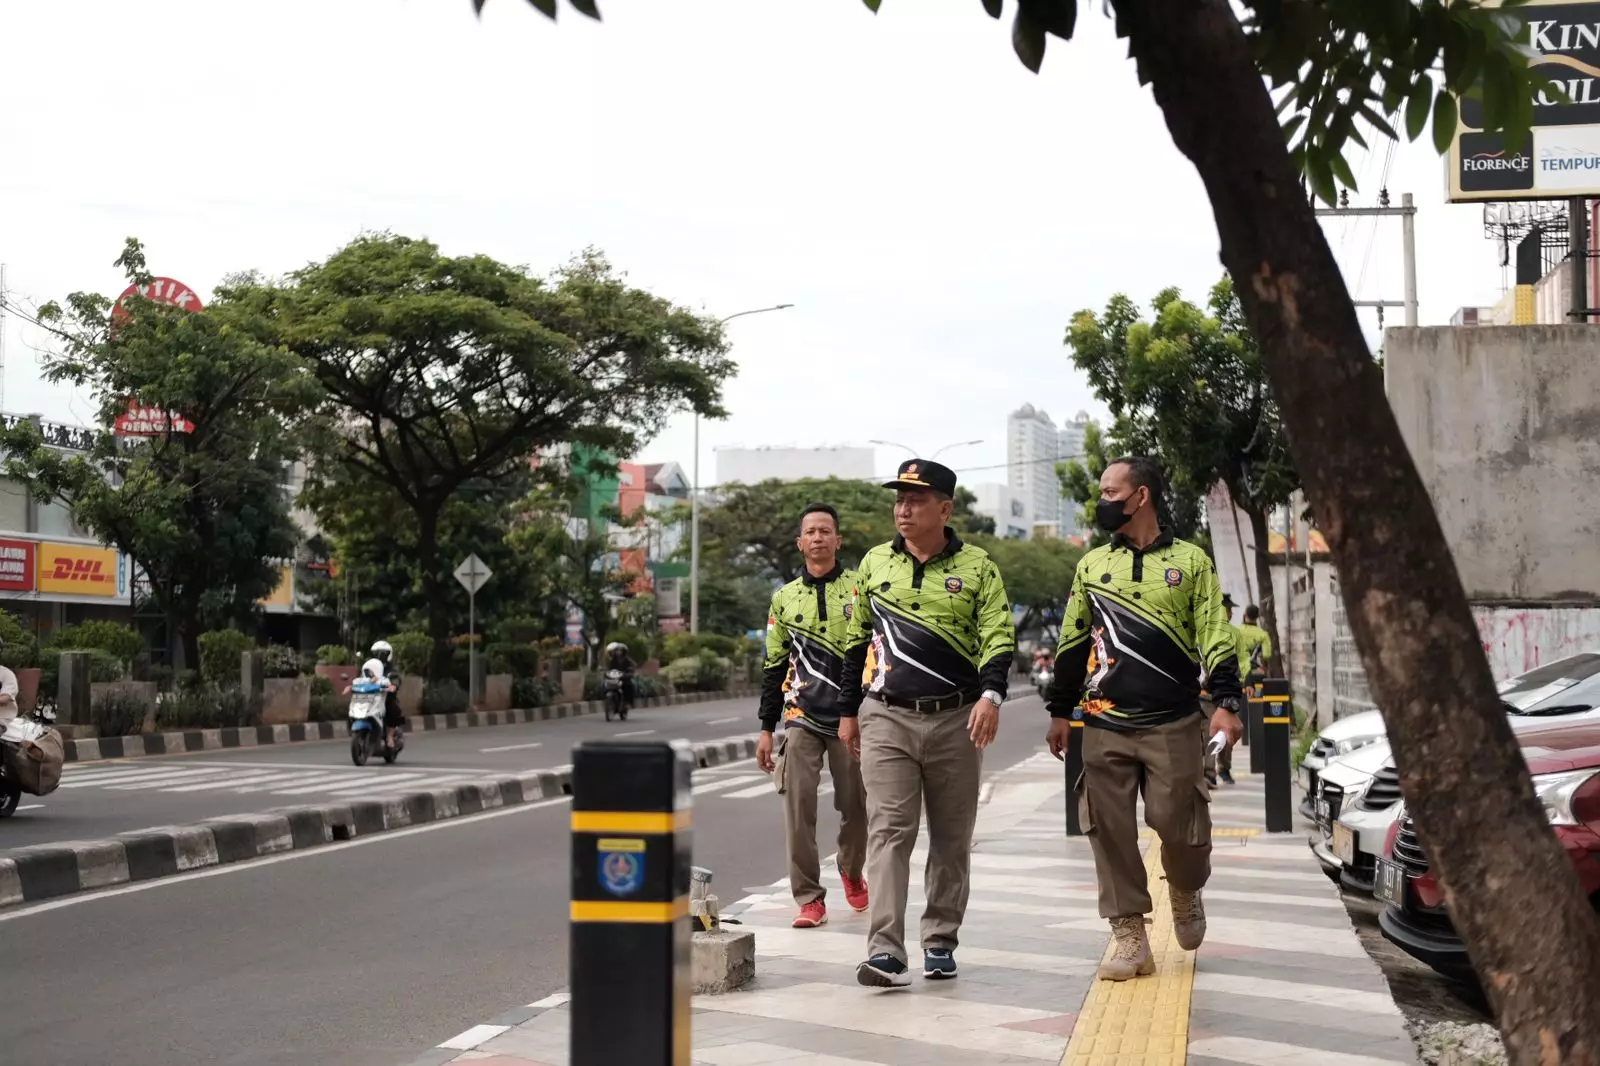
[(615, 699), (31, 757), (366, 724)]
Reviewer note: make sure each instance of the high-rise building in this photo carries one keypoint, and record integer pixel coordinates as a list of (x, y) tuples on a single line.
[(1032, 448), (1071, 447), (1008, 508)]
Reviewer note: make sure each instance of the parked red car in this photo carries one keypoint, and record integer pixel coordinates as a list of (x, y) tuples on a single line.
[(1565, 763)]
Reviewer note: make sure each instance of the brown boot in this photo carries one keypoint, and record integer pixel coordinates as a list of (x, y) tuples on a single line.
[(1131, 955), (1188, 918)]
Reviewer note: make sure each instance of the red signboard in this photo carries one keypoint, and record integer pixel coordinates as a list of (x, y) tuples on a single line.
[(162, 291), (16, 565), (140, 421)]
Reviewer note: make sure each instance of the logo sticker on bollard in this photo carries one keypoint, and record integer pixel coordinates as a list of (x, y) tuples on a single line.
[(621, 866)]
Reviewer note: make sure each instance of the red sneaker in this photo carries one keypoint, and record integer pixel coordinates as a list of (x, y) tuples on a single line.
[(811, 915), (855, 893)]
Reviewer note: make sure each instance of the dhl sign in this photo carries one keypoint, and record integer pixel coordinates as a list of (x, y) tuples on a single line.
[(73, 570)]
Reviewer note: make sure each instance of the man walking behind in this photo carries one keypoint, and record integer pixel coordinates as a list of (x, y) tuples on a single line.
[(804, 666), (1151, 608), (932, 640), (1255, 647)]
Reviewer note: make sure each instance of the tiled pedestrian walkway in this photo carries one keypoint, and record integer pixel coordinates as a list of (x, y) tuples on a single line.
[(1280, 980)]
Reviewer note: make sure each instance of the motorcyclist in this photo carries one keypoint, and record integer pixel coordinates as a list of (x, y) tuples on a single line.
[(8, 690), (392, 716), (617, 658)]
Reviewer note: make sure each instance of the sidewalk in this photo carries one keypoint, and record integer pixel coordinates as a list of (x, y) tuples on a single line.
[(1281, 978)]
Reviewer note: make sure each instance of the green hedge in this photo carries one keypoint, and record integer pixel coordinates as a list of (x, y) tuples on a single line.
[(335, 655), (444, 697), (412, 652), (705, 672), (690, 645), (220, 655)]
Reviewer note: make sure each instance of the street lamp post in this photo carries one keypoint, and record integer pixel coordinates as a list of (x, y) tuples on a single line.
[(935, 455), (694, 499)]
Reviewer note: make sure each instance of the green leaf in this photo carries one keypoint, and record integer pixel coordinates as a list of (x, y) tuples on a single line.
[(1378, 123), (1292, 127), (993, 7), (1417, 107), (1320, 174), (477, 6), (586, 7), (1027, 38), (872, 5), (1341, 170), (1444, 121), (1058, 17), (546, 7)]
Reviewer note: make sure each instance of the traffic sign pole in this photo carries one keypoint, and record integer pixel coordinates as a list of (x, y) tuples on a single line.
[(473, 575)]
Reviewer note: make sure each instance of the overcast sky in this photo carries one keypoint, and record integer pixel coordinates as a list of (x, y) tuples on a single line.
[(935, 213)]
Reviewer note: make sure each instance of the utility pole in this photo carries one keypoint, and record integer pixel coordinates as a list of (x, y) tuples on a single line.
[(1407, 213), (4, 299), (1578, 238)]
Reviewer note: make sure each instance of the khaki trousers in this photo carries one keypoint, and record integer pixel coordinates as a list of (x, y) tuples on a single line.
[(910, 761), (1166, 765), (800, 775)]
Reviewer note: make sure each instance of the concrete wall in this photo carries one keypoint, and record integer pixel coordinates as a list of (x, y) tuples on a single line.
[(1503, 426)]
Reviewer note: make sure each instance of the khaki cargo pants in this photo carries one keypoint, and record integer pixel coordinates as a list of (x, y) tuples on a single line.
[(799, 775), (1166, 765), (912, 761)]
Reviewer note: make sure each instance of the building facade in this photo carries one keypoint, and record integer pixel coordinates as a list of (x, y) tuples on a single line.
[(1070, 448), (1013, 517), (1032, 449)]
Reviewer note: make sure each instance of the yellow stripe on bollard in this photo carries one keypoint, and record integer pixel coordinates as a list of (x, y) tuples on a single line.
[(1280, 720), (589, 910), (629, 821)]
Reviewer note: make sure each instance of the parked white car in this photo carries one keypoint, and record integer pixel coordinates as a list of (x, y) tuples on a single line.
[(1339, 739)]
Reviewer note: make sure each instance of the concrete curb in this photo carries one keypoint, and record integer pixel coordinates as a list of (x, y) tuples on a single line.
[(95, 748), (48, 871)]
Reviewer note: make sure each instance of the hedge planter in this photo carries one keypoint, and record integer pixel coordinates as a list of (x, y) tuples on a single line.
[(339, 675), (571, 685), (285, 700), (496, 693)]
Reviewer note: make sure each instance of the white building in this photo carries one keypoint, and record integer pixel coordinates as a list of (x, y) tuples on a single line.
[(1009, 508), (1071, 447), (749, 466), (1032, 449)]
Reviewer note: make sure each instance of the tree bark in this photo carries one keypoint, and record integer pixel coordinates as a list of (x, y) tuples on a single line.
[(1268, 598), (431, 571), (1512, 893)]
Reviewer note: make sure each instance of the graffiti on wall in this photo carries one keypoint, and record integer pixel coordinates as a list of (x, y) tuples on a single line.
[(1517, 639)]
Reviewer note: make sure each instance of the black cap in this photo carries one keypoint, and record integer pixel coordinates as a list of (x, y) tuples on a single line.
[(924, 474), (1227, 601)]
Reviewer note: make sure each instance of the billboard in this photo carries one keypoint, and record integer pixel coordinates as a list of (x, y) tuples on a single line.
[(1560, 156), (281, 597), (77, 570), (139, 420), (16, 565)]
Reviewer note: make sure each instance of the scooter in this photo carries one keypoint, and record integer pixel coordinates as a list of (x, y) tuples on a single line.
[(366, 724), (616, 702), (31, 757)]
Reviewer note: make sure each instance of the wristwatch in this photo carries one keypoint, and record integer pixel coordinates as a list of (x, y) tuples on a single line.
[(1230, 703), (993, 697)]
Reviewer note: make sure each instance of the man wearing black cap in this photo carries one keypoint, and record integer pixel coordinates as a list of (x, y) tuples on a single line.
[(931, 639)]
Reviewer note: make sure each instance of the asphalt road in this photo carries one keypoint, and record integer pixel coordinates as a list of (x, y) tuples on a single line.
[(365, 953), (100, 799)]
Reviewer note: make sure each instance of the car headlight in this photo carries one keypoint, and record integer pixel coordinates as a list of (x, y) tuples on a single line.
[(1555, 792), (1345, 747)]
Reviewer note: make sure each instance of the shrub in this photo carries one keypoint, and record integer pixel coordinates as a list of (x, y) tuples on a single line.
[(104, 666), (572, 658), (642, 646), (208, 706), (118, 713), (688, 645), (703, 673), (532, 692), (412, 651), (684, 674), (334, 655), (326, 703), (647, 685), (120, 641), (278, 660), (444, 697), (220, 653), (518, 660), (22, 647)]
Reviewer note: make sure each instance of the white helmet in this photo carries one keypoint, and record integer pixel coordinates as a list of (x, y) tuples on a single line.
[(373, 668), (382, 650)]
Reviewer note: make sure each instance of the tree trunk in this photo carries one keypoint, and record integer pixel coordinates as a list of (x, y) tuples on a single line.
[(1267, 599), (1512, 893), (430, 569), (185, 633)]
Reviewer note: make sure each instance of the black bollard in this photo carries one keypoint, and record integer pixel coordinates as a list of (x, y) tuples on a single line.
[(1074, 770), (1277, 723), (1254, 711), (629, 964)]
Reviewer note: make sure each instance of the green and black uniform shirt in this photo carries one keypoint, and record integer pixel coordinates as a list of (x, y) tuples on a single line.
[(928, 630), (1142, 628), (1255, 648), (805, 651)]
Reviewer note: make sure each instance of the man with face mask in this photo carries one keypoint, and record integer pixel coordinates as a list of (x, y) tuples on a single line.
[(1150, 608)]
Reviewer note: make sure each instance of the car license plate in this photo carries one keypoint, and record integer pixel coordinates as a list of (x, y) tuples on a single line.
[(1344, 843), (1389, 886), (1322, 810)]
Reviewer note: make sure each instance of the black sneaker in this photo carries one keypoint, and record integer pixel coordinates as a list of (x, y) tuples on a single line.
[(883, 971), (1227, 776), (938, 964)]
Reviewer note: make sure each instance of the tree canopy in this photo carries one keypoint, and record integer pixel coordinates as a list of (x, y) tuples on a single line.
[(200, 505)]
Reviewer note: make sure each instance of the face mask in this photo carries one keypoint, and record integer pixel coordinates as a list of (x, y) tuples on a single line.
[(1110, 516)]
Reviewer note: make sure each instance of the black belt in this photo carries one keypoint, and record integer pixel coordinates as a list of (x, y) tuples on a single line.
[(932, 705)]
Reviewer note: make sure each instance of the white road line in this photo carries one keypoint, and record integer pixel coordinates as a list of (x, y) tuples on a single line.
[(470, 1039), (560, 999), (272, 785), (322, 784), (229, 782), (159, 780), (512, 747), (375, 783), (749, 793), (637, 733), (726, 782), (130, 775), (725, 721), (11, 914), (31, 807)]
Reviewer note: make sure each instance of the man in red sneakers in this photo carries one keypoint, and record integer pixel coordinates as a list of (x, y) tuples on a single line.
[(805, 659)]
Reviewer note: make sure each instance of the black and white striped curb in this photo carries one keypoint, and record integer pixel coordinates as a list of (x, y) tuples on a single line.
[(45, 871), (95, 748)]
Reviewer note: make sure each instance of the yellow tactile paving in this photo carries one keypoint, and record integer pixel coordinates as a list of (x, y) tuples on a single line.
[(1145, 1021)]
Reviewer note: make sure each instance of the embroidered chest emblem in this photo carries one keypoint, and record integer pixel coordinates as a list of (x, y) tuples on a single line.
[(1174, 576), (953, 585)]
